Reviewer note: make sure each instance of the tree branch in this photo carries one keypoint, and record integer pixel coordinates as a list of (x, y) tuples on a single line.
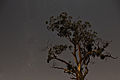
[(89, 53), (86, 72), (65, 70), (61, 60), (73, 78), (74, 55), (58, 68), (111, 56), (70, 40), (80, 57), (74, 52)]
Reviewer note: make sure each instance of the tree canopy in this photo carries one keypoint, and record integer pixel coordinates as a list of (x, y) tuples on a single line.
[(84, 45)]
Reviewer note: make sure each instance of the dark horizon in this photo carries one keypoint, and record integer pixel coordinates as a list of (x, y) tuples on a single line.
[(24, 37)]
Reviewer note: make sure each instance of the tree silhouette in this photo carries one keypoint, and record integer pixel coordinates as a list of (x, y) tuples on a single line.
[(84, 45)]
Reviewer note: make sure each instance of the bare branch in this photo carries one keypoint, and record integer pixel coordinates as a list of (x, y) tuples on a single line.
[(70, 39), (74, 55), (65, 70), (73, 78), (61, 60), (86, 72), (58, 67), (89, 53), (111, 56), (80, 57), (68, 64)]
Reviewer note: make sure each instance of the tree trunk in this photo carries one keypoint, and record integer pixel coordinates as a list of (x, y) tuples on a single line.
[(79, 78)]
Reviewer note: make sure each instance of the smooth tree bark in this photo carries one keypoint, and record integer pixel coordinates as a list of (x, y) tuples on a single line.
[(84, 45)]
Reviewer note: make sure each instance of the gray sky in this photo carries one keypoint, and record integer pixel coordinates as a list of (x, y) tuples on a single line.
[(23, 36)]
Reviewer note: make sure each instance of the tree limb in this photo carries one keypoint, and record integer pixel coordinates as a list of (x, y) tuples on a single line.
[(73, 78), (111, 56), (70, 40), (89, 53), (74, 55), (65, 70), (80, 57), (86, 72), (61, 60)]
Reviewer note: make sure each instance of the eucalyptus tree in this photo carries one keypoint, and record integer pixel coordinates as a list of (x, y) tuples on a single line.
[(84, 45)]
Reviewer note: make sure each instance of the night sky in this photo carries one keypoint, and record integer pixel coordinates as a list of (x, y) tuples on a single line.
[(24, 37)]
